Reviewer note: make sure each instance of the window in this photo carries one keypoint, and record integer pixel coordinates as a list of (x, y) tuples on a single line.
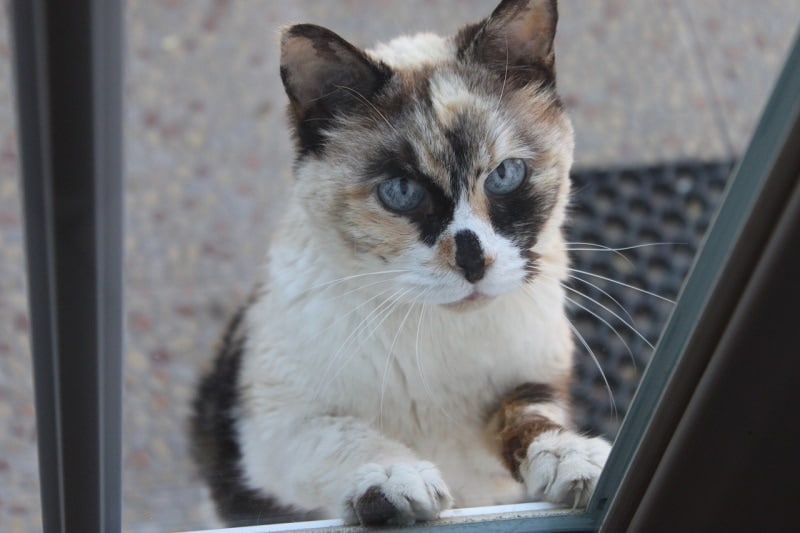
[(70, 116)]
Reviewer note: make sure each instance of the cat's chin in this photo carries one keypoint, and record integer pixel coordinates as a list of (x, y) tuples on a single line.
[(470, 302)]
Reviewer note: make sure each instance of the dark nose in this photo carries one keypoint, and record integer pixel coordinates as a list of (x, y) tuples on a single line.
[(469, 255)]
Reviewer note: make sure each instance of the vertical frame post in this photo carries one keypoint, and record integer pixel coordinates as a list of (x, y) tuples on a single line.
[(68, 58)]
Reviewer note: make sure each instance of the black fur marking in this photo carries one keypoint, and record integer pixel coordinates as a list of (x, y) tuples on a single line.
[(531, 263), (215, 446), (436, 211), (374, 509), (461, 145), (469, 255), (465, 37), (524, 394), (520, 216), (531, 393)]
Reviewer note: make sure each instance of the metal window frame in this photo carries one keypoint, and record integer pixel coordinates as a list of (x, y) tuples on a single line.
[(68, 58), (68, 65), (747, 240)]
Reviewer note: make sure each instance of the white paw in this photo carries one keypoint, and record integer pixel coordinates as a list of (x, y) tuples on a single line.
[(397, 494), (563, 467)]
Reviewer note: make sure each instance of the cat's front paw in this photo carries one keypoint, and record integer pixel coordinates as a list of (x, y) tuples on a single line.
[(396, 494), (563, 467)]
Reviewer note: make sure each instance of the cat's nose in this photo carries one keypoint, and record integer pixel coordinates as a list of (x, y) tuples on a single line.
[(470, 257)]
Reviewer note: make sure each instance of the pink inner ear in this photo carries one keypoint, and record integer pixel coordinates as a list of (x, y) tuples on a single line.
[(534, 33), (320, 68), (308, 68), (523, 30)]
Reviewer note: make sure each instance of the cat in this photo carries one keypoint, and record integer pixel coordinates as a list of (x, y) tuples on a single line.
[(408, 348)]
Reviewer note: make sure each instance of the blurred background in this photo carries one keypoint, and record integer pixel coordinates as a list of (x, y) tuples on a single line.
[(664, 95)]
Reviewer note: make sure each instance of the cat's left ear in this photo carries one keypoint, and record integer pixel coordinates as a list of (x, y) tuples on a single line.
[(516, 41), (324, 76)]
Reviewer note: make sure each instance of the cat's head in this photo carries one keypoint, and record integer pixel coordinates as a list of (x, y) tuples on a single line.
[(442, 161)]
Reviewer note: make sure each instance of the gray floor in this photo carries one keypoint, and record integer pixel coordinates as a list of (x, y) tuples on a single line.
[(208, 162)]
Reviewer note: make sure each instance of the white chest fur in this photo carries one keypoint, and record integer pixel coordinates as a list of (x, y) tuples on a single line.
[(425, 376)]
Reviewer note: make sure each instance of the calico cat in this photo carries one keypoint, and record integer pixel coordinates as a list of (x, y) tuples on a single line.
[(408, 349)]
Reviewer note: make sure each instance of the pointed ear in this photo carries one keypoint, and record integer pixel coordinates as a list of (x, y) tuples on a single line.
[(516, 41), (324, 75)]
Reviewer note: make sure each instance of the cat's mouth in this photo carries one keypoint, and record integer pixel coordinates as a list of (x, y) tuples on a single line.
[(476, 295), (474, 299)]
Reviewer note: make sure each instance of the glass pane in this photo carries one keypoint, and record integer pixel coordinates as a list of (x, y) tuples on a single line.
[(663, 99), (19, 469), (660, 116)]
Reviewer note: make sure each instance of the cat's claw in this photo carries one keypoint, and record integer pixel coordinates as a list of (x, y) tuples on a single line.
[(563, 467), (397, 494)]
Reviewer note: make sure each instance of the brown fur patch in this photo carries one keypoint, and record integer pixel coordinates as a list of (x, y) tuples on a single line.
[(517, 437), (446, 252), (515, 427), (480, 205), (367, 227)]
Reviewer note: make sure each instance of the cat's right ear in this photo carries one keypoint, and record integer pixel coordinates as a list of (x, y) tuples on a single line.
[(516, 41), (324, 76)]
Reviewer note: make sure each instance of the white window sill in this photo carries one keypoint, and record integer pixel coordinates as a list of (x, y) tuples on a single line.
[(452, 516)]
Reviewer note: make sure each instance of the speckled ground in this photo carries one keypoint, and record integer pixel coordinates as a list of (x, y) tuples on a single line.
[(208, 161)]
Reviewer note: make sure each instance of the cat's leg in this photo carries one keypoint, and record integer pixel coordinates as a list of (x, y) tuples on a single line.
[(555, 463), (346, 466)]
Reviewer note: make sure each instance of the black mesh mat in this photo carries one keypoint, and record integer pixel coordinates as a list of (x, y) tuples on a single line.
[(623, 208)]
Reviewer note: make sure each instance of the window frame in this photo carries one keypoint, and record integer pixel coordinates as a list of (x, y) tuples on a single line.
[(68, 69), (70, 123)]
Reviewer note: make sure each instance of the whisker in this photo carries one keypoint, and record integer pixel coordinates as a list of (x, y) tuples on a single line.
[(353, 276), (382, 316), (390, 355), (397, 301), (604, 321), (597, 363), (605, 293), (360, 288), (615, 315), (416, 349), (421, 368), (505, 77), (361, 325), (600, 247), (621, 283), (618, 251), (356, 308)]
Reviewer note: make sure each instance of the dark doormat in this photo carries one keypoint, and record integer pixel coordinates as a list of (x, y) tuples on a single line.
[(655, 218)]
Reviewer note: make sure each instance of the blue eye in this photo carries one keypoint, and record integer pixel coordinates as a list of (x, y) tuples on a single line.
[(507, 177), (401, 194)]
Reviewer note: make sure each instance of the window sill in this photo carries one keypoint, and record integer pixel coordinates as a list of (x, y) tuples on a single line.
[(453, 517)]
